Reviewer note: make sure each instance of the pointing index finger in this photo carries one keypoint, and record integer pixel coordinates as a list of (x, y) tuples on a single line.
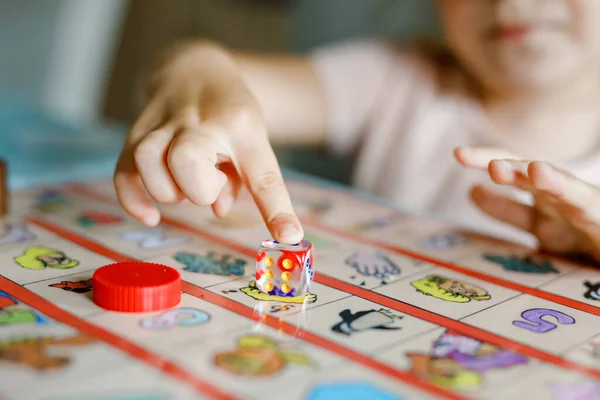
[(260, 172)]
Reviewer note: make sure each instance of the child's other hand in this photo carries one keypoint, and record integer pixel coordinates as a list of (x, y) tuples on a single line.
[(200, 137), (565, 216)]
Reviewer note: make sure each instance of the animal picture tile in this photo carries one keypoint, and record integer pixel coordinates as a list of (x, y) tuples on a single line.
[(71, 292), (18, 232), (206, 266), (42, 260), (245, 291), (55, 356), (251, 360), (518, 265), (368, 267), (457, 361), (447, 293), (363, 325), (582, 285), (18, 318)]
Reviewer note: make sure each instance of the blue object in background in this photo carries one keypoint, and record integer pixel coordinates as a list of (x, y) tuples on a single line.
[(41, 149), (349, 391)]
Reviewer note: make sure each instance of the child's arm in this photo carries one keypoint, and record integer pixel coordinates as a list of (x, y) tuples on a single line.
[(207, 106)]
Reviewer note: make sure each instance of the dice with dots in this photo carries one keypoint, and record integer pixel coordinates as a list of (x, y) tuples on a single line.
[(284, 269)]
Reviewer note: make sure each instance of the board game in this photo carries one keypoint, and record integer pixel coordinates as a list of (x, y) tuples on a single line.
[(400, 307)]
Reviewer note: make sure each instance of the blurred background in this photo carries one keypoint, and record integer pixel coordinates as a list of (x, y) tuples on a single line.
[(69, 69)]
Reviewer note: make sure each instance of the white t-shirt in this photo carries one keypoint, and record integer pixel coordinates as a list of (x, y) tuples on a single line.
[(402, 121)]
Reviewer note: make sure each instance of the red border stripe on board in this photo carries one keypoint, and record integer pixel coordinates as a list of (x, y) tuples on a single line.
[(243, 310), (39, 303)]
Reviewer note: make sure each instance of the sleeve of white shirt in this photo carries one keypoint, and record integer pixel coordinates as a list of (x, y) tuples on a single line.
[(353, 76)]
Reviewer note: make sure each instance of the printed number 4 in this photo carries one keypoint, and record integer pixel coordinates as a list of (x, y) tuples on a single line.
[(535, 323)]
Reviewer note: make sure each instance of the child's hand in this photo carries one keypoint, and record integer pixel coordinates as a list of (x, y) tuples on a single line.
[(565, 216), (200, 137)]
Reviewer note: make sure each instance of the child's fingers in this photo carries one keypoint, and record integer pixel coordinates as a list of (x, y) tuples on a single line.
[(503, 209), (230, 191), (192, 159), (131, 194), (149, 156), (480, 157), (510, 172), (565, 187), (127, 181), (262, 176)]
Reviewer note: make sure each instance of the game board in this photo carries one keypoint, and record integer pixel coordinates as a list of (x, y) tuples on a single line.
[(401, 307)]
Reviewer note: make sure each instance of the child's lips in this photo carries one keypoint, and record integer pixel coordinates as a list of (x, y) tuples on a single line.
[(511, 32)]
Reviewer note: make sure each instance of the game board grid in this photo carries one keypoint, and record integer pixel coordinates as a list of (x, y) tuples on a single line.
[(551, 280), (321, 306), (515, 293)]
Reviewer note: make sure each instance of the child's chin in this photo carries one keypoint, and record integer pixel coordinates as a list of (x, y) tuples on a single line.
[(538, 68), (535, 75)]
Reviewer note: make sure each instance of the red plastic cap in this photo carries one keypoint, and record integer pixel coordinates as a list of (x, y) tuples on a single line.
[(136, 287)]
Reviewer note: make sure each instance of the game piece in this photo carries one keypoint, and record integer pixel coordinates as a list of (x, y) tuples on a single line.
[(284, 269), (136, 287)]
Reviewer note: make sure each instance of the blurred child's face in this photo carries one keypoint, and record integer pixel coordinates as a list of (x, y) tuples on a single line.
[(523, 43)]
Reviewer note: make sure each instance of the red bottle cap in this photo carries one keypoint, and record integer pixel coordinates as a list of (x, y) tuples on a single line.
[(136, 287)]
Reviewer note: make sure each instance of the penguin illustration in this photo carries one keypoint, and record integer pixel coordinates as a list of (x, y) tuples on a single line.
[(593, 291), (363, 320)]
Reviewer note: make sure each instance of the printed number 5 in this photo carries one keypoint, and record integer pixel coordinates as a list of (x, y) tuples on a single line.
[(537, 324)]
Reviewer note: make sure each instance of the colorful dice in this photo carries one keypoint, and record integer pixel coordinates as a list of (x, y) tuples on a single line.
[(284, 269)]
